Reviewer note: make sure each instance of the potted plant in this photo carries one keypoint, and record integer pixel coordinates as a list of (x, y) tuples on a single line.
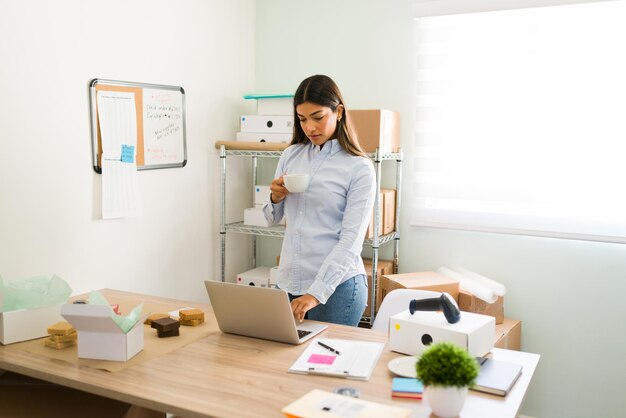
[(447, 371)]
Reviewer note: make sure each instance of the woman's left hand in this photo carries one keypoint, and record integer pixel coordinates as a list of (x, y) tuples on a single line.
[(301, 305)]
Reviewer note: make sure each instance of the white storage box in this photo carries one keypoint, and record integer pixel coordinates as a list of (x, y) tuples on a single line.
[(259, 276), (254, 217), (261, 194), (412, 334), (281, 138), (28, 324), (99, 337), (267, 123)]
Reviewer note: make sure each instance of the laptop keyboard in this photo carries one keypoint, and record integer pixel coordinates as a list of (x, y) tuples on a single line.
[(302, 333)]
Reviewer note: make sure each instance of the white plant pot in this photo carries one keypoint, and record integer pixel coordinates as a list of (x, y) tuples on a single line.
[(445, 402)]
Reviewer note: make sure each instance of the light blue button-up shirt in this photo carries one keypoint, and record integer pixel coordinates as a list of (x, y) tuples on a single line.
[(325, 224)]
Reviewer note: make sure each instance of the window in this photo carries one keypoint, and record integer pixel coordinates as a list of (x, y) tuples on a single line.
[(521, 122)]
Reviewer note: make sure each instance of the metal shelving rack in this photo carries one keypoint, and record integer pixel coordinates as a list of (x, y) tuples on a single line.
[(279, 230)]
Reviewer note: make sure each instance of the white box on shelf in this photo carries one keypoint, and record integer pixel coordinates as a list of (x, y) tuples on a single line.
[(261, 194), (255, 217), (259, 276), (99, 337), (412, 334), (282, 138), (275, 106), (267, 123), (273, 276), (27, 324)]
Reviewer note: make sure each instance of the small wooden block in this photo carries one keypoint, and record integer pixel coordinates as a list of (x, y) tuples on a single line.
[(58, 345), (191, 322), (154, 317), (165, 324), (64, 338), (171, 333), (61, 328), (191, 314)]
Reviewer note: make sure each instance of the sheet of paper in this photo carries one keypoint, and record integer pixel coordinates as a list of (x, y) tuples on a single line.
[(356, 360), (118, 129)]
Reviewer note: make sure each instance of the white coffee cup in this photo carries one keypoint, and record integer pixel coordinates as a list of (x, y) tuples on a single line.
[(296, 183)]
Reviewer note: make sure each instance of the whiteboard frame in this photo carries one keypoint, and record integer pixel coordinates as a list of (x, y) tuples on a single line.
[(94, 119)]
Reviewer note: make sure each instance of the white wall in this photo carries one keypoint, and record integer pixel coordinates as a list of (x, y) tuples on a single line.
[(567, 293), (48, 204)]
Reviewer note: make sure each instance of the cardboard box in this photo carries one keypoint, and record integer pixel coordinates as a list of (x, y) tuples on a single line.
[(389, 210), (259, 276), (470, 303), (423, 280), (377, 128), (509, 334), (383, 267), (27, 324), (412, 334), (99, 337)]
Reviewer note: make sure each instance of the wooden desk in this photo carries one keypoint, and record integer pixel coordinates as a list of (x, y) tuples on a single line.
[(232, 376)]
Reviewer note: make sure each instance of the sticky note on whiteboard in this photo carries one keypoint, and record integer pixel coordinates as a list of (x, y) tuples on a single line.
[(128, 153)]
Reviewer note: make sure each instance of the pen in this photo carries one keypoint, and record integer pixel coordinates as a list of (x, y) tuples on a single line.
[(329, 347)]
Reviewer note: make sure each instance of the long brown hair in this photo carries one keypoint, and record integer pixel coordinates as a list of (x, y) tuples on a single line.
[(323, 91)]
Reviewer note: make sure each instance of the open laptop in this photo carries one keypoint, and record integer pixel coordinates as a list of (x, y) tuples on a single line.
[(259, 312)]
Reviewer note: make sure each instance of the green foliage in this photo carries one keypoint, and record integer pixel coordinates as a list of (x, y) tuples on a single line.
[(445, 364)]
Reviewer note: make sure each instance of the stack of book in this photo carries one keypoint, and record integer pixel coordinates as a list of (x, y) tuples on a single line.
[(406, 387), (273, 121)]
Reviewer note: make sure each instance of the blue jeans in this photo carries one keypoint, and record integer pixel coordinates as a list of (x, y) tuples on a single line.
[(345, 306)]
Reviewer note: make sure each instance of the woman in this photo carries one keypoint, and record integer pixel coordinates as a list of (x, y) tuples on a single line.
[(320, 263)]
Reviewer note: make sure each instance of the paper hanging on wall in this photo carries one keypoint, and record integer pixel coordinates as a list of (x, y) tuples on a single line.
[(118, 126)]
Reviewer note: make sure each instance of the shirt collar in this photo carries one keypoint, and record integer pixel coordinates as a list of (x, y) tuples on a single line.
[(332, 145)]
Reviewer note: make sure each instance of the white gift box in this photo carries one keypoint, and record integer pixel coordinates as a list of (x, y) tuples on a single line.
[(412, 334), (28, 324), (99, 337)]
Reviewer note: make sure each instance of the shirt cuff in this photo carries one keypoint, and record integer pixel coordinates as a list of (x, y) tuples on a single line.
[(320, 291)]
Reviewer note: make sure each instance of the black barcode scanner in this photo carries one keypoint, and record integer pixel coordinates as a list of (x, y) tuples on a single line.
[(443, 303)]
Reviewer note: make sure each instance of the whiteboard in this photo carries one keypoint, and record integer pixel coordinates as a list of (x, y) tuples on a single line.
[(160, 113)]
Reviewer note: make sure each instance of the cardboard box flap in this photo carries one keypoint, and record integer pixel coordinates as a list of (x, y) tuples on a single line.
[(424, 278), (91, 318)]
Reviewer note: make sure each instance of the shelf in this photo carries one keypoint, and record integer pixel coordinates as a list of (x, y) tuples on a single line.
[(270, 231), (279, 231), (275, 150), (268, 149)]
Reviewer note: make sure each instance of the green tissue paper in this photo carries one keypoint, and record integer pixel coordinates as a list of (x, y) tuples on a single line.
[(125, 323), (33, 293)]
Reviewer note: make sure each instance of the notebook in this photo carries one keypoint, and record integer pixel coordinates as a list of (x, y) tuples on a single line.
[(406, 387), (339, 358), (497, 377), (258, 312)]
